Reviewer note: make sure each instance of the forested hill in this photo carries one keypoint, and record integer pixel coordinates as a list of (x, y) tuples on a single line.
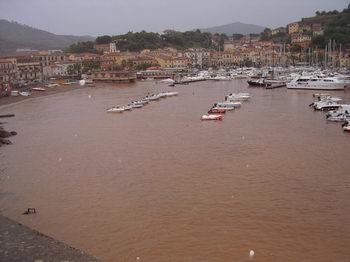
[(14, 35), (336, 27), (147, 40)]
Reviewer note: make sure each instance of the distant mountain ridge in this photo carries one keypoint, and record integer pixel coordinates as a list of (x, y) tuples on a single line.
[(17, 36), (235, 28)]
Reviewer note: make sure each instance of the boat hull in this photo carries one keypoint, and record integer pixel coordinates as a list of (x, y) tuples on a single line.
[(316, 87)]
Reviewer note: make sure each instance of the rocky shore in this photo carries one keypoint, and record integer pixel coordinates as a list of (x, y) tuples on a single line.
[(4, 135)]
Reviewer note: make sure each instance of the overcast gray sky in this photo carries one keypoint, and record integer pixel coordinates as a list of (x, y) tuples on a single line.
[(98, 17)]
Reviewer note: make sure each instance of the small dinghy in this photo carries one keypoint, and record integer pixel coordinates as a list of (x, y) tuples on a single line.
[(139, 102), (24, 93), (211, 117), (115, 109), (127, 108), (342, 117), (346, 126), (134, 105), (216, 111), (38, 89), (238, 97), (171, 93)]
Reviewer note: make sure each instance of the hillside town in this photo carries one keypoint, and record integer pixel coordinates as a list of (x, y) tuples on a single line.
[(281, 47)]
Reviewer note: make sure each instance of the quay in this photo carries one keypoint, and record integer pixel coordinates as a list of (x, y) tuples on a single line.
[(20, 243)]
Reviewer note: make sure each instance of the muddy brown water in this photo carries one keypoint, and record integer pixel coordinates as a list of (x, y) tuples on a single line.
[(158, 184)]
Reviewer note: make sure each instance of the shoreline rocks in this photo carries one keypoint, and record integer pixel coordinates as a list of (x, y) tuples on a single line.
[(4, 135)]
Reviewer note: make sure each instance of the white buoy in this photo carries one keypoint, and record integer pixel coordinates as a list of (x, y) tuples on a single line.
[(251, 253), (137, 258), (82, 82), (89, 96)]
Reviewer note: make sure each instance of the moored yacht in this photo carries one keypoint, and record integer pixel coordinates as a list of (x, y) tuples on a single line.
[(315, 83)]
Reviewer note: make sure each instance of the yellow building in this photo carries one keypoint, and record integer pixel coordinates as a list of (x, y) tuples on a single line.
[(172, 62), (118, 58), (293, 28), (344, 62)]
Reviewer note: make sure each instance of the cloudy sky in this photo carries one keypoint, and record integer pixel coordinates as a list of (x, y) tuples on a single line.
[(98, 17)]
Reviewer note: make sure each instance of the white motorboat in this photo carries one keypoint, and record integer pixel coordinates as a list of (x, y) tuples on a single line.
[(316, 83), (220, 78), (168, 94), (211, 117), (52, 85), (162, 95), (151, 97), (228, 104), (238, 97), (346, 126), (342, 117), (228, 108), (168, 81), (127, 107), (343, 109), (134, 105), (38, 89), (116, 109), (320, 95), (14, 93), (326, 105), (139, 102), (24, 93)]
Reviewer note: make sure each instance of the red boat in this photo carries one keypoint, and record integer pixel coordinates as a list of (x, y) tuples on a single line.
[(217, 111), (212, 117)]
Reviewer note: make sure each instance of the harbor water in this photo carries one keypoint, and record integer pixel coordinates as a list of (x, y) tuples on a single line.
[(158, 184)]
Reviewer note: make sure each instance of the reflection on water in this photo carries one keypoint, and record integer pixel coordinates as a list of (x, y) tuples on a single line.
[(159, 184)]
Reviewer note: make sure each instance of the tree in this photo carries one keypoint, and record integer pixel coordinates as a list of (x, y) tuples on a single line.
[(82, 47), (74, 69), (90, 65), (318, 13), (266, 34), (106, 39)]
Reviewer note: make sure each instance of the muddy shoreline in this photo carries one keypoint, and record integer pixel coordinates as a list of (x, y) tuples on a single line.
[(49, 91)]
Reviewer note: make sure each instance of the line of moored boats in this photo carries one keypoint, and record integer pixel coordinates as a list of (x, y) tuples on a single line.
[(140, 103), (232, 101), (337, 112)]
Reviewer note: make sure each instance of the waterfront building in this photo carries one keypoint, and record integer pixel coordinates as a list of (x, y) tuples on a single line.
[(103, 48), (56, 70), (46, 58), (29, 72), (113, 76), (8, 70), (83, 57), (197, 57), (142, 60), (317, 30), (119, 58), (172, 62), (302, 40), (160, 73), (293, 28), (344, 61)]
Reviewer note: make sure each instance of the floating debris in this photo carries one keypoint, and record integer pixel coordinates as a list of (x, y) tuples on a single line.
[(29, 211)]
